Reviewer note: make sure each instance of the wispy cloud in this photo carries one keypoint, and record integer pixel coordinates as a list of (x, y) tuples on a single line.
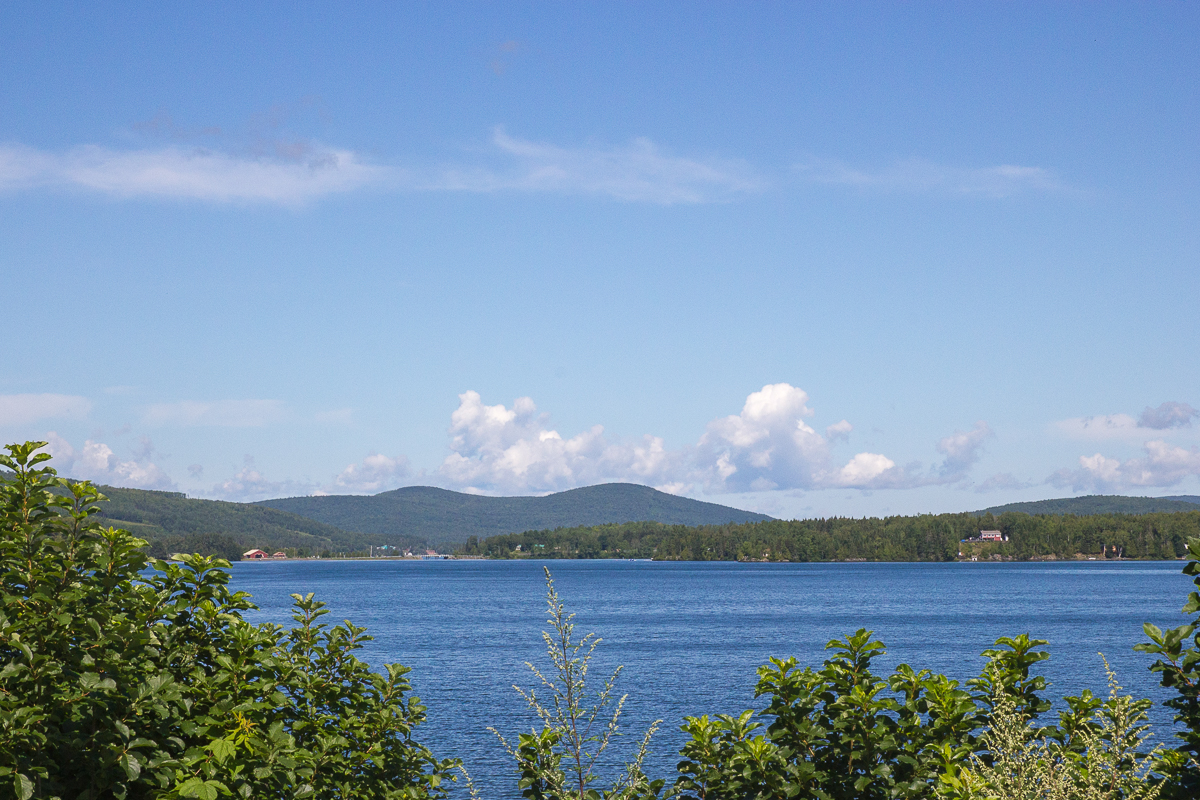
[(375, 473), (1168, 415), (1001, 481), (191, 174), (295, 173), (1106, 426), (249, 485), (221, 414), (920, 175), (639, 171), (21, 409), (961, 450), (1163, 465)]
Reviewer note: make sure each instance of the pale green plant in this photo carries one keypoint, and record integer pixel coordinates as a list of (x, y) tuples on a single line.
[(561, 760), (1105, 759)]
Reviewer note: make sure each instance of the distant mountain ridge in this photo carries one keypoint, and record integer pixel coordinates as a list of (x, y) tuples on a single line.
[(444, 517), (178, 522), (1102, 504)]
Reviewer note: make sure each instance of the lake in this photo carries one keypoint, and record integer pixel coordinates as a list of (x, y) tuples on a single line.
[(691, 634)]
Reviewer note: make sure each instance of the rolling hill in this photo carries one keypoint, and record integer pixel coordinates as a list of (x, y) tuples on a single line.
[(444, 517), (171, 521), (1101, 504)]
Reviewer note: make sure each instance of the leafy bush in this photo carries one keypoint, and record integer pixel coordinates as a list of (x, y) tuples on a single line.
[(1104, 759), (1179, 664), (842, 732), (119, 682)]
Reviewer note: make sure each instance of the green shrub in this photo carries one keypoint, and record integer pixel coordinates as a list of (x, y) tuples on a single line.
[(1103, 759), (1178, 650), (119, 682)]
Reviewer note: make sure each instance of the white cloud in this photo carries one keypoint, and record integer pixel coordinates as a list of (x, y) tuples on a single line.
[(514, 450), (1108, 426), (1167, 415), (97, 462), (769, 445), (1163, 465), (22, 409), (864, 470), (961, 451), (1001, 481), (375, 473), (196, 174), (249, 485), (839, 431), (638, 172), (223, 413), (919, 175)]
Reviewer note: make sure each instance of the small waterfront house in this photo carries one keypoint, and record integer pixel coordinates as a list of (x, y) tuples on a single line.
[(255, 553), (280, 554), (992, 536)]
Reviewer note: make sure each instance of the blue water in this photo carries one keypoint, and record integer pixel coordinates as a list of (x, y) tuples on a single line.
[(690, 635)]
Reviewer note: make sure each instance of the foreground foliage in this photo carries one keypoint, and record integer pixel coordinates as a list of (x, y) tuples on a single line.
[(1178, 650), (562, 759), (119, 683)]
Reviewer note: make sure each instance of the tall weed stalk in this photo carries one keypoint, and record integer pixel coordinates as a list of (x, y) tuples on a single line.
[(561, 760)]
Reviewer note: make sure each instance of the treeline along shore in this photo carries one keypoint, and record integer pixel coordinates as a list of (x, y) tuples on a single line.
[(928, 537)]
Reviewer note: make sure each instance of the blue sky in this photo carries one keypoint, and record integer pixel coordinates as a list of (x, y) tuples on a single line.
[(808, 259)]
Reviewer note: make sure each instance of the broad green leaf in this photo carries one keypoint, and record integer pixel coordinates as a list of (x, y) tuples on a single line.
[(22, 787)]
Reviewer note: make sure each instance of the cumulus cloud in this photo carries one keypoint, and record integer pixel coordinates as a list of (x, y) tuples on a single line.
[(919, 175), (191, 174), (639, 172), (1162, 465), (249, 485), (222, 414), (839, 431), (768, 445), (869, 470), (375, 473), (1167, 415), (97, 462), (514, 450), (22, 409)]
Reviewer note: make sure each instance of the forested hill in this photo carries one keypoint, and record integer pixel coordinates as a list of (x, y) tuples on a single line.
[(172, 522), (445, 517), (921, 538), (1102, 504)]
